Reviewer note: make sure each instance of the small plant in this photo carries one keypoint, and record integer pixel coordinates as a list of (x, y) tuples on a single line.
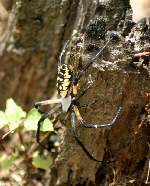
[(16, 121)]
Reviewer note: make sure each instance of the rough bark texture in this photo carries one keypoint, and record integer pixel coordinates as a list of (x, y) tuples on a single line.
[(30, 46)]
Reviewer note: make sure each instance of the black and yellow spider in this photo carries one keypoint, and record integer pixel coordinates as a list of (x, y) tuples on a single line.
[(67, 83)]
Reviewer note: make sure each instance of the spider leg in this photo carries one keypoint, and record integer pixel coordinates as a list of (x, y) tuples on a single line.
[(63, 52), (75, 135), (46, 102), (38, 104), (70, 177), (43, 117), (88, 86), (112, 37), (87, 125)]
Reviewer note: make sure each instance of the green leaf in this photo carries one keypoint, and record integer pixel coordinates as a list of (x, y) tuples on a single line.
[(14, 114), (7, 161), (3, 119), (33, 117), (42, 163)]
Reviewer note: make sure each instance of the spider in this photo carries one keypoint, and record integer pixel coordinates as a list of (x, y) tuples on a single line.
[(67, 87)]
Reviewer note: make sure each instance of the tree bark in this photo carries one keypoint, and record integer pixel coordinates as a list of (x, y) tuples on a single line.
[(32, 36)]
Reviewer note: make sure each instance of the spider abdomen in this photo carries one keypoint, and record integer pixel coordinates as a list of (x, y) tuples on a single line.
[(63, 80)]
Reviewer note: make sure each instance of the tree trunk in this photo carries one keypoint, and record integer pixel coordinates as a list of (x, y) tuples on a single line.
[(32, 35)]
